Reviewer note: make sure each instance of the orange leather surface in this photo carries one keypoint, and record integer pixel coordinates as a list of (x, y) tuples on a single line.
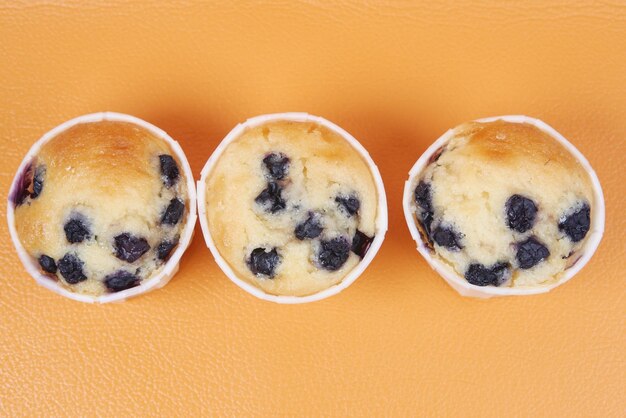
[(396, 75)]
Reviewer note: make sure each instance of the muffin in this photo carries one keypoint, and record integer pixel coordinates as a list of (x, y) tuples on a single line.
[(292, 207), (103, 207), (504, 206)]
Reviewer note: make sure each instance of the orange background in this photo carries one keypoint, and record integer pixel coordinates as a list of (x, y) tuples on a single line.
[(396, 75)]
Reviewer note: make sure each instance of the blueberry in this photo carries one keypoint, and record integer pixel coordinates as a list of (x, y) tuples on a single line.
[(350, 204), (334, 253), (129, 247), (520, 213), (530, 253), (361, 243), (169, 170), (40, 172), (271, 198), (47, 264), (76, 230), (263, 263), (121, 280), (71, 268), (21, 192), (310, 228), (576, 225), (447, 237), (173, 213), (423, 199), (165, 248), (423, 196), (277, 165), (480, 275)]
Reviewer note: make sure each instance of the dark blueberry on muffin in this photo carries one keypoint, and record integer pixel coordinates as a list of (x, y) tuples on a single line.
[(520, 213), (271, 198), (169, 170), (310, 228), (121, 280), (447, 237), (76, 229), (333, 253), (263, 262), (129, 247), (350, 204), (40, 172), (165, 248), (71, 268), (576, 224), (173, 212), (47, 264), (361, 243), (423, 197), (277, 165), (480, 275), (530, 253)]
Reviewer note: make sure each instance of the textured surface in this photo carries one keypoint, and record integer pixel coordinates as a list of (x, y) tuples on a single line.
[(322, 167), (399, 340), (469, 185), (102, 202)]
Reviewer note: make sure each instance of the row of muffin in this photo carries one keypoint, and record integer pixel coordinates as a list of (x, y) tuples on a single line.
[(293, 208)]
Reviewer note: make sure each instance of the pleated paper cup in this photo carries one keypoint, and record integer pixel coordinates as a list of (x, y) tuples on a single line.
[(165, 273), (381, 216), (446, 271)]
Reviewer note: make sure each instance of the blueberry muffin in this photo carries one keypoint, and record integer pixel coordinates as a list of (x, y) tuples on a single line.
[(101, 207), (504, 204), (292, 207)]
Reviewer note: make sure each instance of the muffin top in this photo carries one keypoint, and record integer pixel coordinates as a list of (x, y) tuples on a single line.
[(101, 206), (505, 204), (291, 207)]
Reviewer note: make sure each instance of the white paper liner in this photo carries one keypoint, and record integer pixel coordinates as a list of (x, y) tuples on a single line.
[(381, 216), (449, 274), (171, 266)]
